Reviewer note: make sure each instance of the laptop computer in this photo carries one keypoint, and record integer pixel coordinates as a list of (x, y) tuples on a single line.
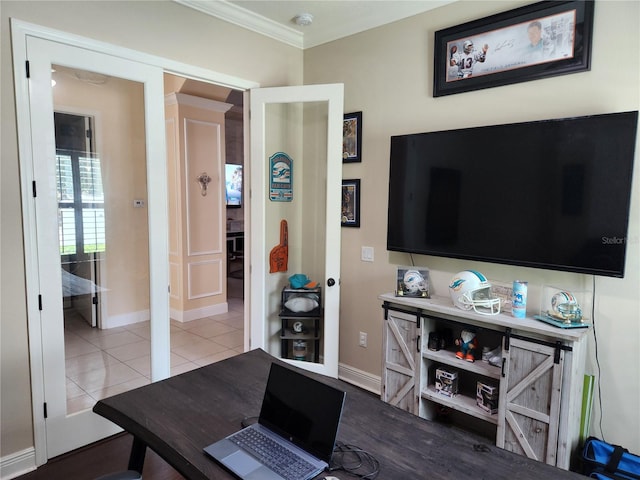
[(299, 414)]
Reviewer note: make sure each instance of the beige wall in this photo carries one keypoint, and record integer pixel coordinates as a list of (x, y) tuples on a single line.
[(160, 28), (388, 74)]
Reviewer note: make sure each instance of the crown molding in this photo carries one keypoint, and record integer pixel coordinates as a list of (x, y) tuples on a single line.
[(244, 18)]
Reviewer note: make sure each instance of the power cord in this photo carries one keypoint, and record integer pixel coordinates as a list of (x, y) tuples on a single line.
[(354, 461), (595, 341)]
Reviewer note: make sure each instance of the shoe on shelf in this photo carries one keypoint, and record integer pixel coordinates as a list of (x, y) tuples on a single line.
[(496, 358), (490, 354), (469, 357)]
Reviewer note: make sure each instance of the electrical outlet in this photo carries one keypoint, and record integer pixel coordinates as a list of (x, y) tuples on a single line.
[(363, 339)]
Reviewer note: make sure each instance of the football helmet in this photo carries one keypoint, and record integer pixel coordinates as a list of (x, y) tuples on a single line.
[(565, 306), (467, 46), (414, 282), (470, 289)]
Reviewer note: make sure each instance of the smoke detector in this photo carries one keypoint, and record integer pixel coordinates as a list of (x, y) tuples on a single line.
[(303, 19)]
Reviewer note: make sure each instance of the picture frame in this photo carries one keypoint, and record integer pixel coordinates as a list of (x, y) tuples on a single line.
[(412, 282), (536, 41), (352, 137), (350, 211)]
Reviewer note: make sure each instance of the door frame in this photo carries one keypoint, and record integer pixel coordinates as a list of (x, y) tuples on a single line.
[(333, 96), (20, 30)]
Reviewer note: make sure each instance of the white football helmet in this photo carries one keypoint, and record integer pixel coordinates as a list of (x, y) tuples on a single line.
[(414, 282), (470, 289), (565, 306)]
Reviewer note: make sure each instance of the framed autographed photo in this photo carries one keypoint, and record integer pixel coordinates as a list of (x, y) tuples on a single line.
[(352, 137), (350, 211), (529, 43)]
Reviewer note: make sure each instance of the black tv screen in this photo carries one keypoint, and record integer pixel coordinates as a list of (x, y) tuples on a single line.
[(551, 194)]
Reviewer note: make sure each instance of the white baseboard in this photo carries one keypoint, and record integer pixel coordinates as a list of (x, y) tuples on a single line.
[(124, 319), (189, 315), (359, 378), (17, 464)]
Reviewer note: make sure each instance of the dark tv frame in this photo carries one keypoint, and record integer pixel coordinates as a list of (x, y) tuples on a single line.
[(431, 247)]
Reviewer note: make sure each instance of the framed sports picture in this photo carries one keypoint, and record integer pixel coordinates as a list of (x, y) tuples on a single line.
[(352, 137), (412, 282), (350, 211), (528, 43)]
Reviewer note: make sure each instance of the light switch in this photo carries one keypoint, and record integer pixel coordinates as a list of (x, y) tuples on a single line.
[(367, 254)]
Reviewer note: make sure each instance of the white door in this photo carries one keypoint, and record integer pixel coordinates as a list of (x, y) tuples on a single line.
[(303, 127), (127, 101)]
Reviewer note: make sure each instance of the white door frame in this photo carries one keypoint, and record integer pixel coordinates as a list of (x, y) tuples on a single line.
[(20, 30), (333, 95)]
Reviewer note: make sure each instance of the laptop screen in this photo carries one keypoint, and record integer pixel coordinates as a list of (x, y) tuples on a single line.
[(303, 410)]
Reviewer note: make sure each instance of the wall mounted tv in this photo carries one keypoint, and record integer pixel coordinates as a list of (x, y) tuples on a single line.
[(551, 194), (233, 184)]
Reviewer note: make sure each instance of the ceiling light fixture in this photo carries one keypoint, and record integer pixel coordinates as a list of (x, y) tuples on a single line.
[(303, 19)]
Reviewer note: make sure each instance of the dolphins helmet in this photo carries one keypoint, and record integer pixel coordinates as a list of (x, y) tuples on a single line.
[(565, 306), (414, 282), (467, 46), (470, 289)]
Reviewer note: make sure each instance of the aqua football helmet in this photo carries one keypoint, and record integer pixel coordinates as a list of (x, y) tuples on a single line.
[(471, 290)]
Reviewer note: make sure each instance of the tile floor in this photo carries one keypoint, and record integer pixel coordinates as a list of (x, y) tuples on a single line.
[(101, 363)]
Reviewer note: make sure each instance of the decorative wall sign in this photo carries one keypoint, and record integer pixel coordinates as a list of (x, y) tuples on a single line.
[(352, 138), (350, 216), (531, 42), (280, 177)]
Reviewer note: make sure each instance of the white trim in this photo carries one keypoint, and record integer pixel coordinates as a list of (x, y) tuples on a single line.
[(18, 463), (184, 316), (189, 176), (129, 318), (21, 29), (244, 18), (360, 378), (197, 102), (190, 269)]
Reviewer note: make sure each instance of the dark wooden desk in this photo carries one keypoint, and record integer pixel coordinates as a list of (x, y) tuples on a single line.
[(179, 416)]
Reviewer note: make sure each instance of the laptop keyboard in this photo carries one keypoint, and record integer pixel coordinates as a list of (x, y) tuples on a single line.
[(278, 458)]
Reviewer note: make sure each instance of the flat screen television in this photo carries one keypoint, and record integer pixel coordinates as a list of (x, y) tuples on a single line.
[(551, 194), (233, 184)]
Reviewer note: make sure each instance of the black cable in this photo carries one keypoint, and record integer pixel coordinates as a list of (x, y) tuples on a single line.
[(595, 341), (354, 461)]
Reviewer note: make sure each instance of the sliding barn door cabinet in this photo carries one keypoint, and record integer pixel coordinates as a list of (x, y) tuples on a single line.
[(528, 399)]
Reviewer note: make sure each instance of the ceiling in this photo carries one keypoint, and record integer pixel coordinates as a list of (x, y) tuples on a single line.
[(332, 19)]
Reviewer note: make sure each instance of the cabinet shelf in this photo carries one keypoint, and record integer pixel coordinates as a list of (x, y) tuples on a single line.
[(545, 365), (448, 357), (461, 403), (303, 345), (289, 334)]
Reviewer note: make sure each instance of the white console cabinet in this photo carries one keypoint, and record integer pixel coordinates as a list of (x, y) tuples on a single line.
[(538, 381)]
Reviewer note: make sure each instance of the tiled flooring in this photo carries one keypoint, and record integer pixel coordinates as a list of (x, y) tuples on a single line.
[(101, 363)]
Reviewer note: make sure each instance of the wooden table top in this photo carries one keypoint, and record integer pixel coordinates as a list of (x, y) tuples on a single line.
[(179, 416)]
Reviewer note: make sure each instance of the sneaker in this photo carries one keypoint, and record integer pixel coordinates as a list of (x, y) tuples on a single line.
[(496, 358), (469, 357)]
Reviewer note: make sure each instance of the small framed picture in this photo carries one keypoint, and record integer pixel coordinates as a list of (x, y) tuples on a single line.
[(350, 214), (352, 137), (412, 282)]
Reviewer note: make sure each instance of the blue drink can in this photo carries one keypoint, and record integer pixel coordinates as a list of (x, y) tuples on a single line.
[(519, 299)]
